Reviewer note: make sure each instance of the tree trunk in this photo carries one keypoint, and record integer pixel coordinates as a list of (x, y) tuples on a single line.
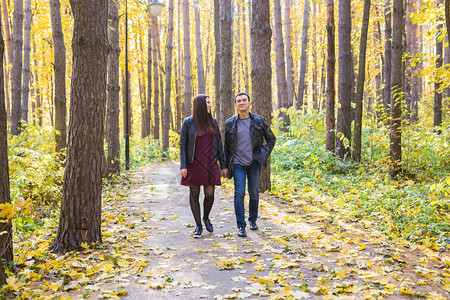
[(407, 67), (387, 60), (37, 90), (177, 99), (331, 66), (415, 78), (345, 81), (246, 62), (9, 56), (289, 61), (396, 84), (315, 85), (155, 40), (80, 219), (148, 115), (378, 77), (302, 75), (437, 85), (198, 43), (446, 64), (226, 50), (60, 75), (16, 77), (261, 71), (217, 60), (26, 61), (166, 106), (187, 60), (356, 155), (145, 118), (282, 94), (113, 107), (6, 244)]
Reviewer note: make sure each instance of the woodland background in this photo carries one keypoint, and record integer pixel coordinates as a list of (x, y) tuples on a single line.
[(357, 93)]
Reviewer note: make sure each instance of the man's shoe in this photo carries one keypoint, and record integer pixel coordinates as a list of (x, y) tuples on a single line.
[(253, 225), (242, 232), (198, 231), (208, 225)]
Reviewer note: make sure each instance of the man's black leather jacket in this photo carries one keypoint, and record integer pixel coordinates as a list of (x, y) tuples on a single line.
[(259, 131), (187, 144)]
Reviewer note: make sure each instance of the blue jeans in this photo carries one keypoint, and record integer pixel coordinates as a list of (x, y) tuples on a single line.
[(241, 173)]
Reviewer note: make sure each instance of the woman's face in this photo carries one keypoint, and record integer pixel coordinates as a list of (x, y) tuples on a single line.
[(208, 105)]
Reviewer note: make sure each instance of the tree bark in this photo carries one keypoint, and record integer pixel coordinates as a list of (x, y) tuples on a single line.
[(26, 60), (80, 219), (217, 60), (356, 155), (226, 50), (262, 72), (437, 85), (282, 94), (345, 81), (378, 78), (187, 60), (289, 61), (113, 107), (177, 99), (198, 43), (315, 85), (396, 84), (387, 60), (302, 75), (156, 118), (166, 106), (60, 75), (16, 77), (9, 56), (331, 66), (6, 243)]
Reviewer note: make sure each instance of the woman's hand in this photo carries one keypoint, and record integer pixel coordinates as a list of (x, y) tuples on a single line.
[(183, 172)]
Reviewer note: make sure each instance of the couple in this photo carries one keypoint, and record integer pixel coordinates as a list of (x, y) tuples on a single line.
[(245, 153)]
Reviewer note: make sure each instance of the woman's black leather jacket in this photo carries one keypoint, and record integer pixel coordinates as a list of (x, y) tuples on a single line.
[(187, 144)]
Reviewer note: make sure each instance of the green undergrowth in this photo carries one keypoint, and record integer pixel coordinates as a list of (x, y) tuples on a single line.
[(415, 206)]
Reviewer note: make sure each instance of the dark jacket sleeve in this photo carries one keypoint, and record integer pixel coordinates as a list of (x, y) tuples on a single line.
[(220, 148), (183, 144), (269, 136), (227, 145)]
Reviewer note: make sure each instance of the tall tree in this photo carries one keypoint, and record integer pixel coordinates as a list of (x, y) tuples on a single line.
[(155, 39), (438, 83), (331, 66), (60, 74), (80, 218), (226, 50), (282, 93), (167, 112), (345, 80), (9, 52), (26, 61), (217, 58), (378, 77), (187, 60), (356, 155), (6, 244), (303, 59), (289, 61), (387, 59), (396, 85), (261, 71), (198, 43), (112, 115), (16, 76)]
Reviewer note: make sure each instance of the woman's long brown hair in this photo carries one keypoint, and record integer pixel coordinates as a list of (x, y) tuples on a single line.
[(203, 120)]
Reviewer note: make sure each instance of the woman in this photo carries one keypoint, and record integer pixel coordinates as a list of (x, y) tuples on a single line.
[(200, 149)]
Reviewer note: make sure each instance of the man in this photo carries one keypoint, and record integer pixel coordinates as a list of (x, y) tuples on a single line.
[(245, 153)]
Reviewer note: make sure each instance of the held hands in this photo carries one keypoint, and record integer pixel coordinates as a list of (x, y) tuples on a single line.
[(183, 172), (224, 173)]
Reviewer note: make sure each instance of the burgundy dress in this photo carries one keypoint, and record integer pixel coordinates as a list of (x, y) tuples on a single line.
[(204, 170)]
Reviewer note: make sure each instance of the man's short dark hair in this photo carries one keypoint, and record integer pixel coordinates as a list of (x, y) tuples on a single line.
[(242, 94)]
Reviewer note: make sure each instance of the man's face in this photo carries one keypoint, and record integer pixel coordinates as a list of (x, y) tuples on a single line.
[(241, 103)]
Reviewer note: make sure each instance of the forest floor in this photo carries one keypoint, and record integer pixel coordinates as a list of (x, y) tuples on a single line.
[(298, 252)]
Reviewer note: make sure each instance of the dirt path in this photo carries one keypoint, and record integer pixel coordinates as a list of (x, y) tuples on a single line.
[(297, 252)]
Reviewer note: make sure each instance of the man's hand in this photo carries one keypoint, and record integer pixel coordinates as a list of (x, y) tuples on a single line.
[(183, 172)]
